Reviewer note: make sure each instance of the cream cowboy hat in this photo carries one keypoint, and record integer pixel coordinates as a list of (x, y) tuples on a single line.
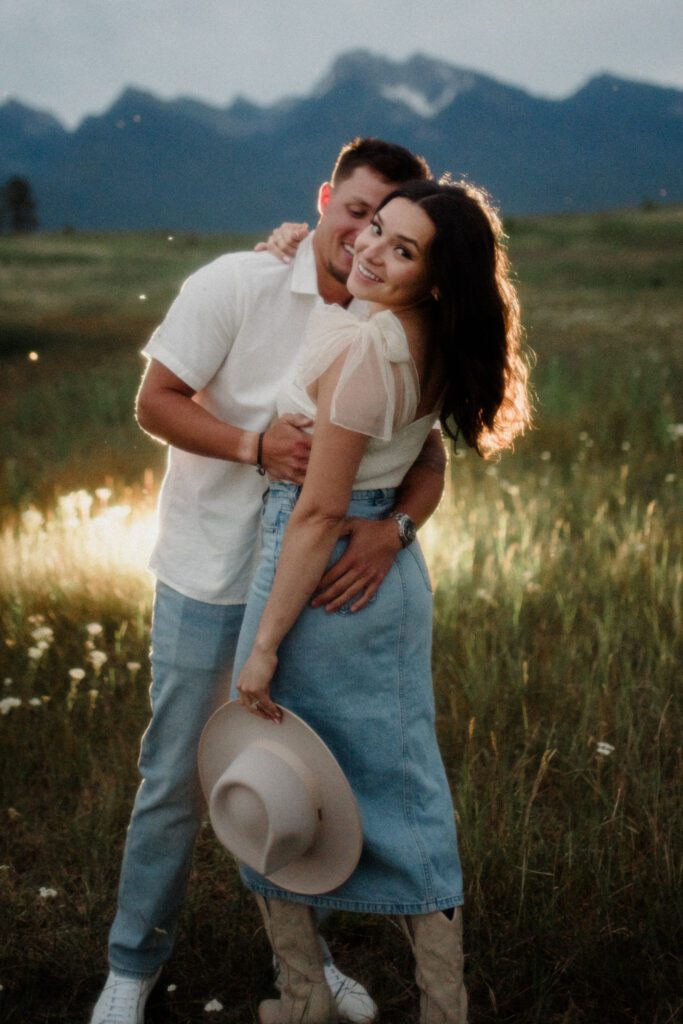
[(278, 799)]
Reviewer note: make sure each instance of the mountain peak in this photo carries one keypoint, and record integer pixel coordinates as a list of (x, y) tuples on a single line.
[(30, 121), (132, 99), (424, 85)]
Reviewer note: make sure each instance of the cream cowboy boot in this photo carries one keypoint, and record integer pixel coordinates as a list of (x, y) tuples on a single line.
[(436, 941), (306, 997)]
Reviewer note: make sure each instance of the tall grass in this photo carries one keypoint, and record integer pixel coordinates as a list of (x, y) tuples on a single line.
[(556, 658)]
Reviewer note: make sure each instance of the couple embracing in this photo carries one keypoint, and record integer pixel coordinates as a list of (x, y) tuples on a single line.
[(318, 381)]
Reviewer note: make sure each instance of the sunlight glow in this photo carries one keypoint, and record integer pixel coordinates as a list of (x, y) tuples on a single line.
[(82, 545)]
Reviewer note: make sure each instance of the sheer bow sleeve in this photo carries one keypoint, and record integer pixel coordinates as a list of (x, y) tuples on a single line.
[(378, 390)]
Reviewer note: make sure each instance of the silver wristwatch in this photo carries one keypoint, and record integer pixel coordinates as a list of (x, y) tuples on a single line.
[(407, 531)]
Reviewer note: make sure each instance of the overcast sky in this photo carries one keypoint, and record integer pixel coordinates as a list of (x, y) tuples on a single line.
[(73, 57)]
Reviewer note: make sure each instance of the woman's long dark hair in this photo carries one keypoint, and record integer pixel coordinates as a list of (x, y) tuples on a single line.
[(475, 315)]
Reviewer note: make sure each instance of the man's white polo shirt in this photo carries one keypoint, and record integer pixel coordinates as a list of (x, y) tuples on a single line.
[(232, 335)]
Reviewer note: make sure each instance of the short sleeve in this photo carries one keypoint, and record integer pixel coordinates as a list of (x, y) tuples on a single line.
[(378, 390), (199, 328)]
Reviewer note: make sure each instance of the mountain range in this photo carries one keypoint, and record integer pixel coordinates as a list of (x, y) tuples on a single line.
[(148, 163)]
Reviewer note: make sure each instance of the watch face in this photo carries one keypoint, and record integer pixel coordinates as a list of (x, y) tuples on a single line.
[(407, 530)]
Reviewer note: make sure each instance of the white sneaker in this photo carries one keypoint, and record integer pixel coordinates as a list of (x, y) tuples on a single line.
[(354, 1003), (122, 1000)]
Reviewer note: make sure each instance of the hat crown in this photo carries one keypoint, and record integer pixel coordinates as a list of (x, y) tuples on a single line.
[(278, 796), (265, 807)]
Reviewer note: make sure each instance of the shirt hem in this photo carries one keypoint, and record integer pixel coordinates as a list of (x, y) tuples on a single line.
[(195, 595)]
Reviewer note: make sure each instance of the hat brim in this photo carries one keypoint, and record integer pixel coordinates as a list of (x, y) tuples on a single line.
[(339, 842)]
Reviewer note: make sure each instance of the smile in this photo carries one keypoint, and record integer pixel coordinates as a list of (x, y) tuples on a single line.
[(367, 274)]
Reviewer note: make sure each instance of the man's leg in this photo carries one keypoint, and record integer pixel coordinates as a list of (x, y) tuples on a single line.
[(193, 647)]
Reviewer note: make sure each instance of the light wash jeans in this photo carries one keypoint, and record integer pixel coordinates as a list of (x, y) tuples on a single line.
[(193, 648)]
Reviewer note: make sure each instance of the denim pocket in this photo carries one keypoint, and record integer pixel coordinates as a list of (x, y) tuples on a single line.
[(270, 515)]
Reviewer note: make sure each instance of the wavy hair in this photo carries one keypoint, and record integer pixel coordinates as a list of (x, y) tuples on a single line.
[(475, 317)]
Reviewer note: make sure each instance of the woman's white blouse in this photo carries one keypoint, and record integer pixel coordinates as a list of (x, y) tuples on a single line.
[(377, 393)]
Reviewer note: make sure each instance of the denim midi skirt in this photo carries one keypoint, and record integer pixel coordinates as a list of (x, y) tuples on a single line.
[(363, 682)]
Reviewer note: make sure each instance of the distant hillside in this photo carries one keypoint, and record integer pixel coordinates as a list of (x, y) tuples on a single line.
[(151, 163)]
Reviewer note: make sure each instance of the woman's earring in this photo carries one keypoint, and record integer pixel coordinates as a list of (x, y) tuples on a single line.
[(435, 294)]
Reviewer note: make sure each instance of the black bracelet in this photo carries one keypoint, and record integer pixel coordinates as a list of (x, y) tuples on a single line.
[(259, 455)]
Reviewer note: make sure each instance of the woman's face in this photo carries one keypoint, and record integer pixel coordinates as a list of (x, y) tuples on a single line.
[(390, 262)]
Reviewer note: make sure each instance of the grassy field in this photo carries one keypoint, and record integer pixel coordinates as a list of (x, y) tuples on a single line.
[(557, 644)]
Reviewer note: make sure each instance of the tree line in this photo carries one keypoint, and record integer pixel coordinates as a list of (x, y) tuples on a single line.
[(17, 207)]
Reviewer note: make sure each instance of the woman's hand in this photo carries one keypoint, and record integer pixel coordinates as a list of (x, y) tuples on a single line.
[(253, 685), (284, 241)]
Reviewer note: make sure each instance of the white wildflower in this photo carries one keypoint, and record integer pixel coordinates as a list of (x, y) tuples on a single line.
[(97, 659), (7, 681), (93, 695), (604, 749), (47, 894), (213, 1007), (7, 703), (669, 478), (133, 667), (171, 988), (626, 446), (35, 653), (94, 628), (43, 645), (43, 634), (546, 456), (36, 702), (675, 430), (77, 674), (103, 494)]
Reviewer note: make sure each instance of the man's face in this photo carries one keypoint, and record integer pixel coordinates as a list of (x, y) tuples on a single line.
[(345, 211)]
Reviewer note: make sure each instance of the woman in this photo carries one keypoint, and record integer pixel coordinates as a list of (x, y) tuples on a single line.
[(441, 341)]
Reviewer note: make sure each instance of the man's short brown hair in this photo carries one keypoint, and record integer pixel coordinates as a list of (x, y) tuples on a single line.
[(394, 163)]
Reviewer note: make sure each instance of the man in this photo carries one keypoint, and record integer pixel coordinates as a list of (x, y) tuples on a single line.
[(216, 362)]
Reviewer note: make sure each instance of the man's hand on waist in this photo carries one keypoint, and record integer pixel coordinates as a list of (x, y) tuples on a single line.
[(286, 448), (357, 576)]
